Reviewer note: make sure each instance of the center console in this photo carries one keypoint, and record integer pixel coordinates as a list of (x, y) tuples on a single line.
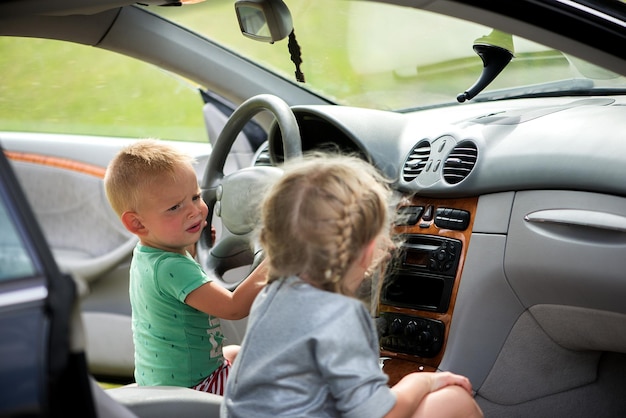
[(419, 288)]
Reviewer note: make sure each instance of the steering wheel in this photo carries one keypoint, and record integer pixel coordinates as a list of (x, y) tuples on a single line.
[(236, 198)]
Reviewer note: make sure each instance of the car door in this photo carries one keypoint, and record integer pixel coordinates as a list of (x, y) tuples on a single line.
[(41, 374)]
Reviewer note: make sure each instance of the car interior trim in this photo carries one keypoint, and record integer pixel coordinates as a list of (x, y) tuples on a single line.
[(58, 162), (21, 296), (418, 321)]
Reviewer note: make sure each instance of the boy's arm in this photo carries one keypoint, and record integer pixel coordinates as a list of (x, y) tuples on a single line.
[(215, 300)]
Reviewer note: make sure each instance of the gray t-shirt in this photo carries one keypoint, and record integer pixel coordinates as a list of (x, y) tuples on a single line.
[(307, 353)]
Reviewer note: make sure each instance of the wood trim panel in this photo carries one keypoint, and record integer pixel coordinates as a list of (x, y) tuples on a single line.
[(401, 364)]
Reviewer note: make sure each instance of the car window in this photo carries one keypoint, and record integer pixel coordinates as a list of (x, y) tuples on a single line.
[(14, 260), (103, 93), (357, 62)]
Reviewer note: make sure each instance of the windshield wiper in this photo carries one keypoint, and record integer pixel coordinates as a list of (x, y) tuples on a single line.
[(571, 87)]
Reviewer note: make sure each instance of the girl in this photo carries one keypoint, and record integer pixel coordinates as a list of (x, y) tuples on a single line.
[(311, 347)]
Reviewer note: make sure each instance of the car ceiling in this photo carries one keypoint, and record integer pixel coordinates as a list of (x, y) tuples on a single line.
[(14, 8)]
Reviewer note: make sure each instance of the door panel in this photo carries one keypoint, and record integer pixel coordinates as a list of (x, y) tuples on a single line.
[(38, 371)]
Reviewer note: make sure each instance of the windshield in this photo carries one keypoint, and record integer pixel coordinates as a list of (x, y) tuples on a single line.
[(381, 56)]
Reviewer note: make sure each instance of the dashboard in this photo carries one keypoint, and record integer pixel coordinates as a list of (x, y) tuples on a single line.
[(480, 148), (506, 210)]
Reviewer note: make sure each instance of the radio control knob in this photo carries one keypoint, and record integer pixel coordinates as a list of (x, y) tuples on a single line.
[(395, 327), (411, 329), (425, 338)]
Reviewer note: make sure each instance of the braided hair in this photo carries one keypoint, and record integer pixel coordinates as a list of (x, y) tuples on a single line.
[(318, 218)]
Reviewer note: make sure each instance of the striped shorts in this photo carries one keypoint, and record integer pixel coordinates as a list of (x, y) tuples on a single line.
[(216, 382)]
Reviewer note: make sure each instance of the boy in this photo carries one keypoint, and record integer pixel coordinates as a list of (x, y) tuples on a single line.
[(175, 305)]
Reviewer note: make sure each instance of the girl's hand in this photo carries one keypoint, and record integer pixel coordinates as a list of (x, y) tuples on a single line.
[(442, 379)]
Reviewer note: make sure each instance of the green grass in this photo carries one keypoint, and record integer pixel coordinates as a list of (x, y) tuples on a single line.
[(54, 86), (61, 87)]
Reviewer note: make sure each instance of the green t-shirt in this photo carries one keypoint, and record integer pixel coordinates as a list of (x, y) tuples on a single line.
[(175, 344)]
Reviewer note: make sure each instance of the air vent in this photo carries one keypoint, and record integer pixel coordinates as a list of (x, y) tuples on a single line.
[(416, 161), (460, 162), (262, 156)]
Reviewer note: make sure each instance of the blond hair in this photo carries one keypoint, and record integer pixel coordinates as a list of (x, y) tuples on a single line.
[(320, 215), (138, 167)]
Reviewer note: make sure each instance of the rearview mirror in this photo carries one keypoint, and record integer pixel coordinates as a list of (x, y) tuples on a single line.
[(264, 20)]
